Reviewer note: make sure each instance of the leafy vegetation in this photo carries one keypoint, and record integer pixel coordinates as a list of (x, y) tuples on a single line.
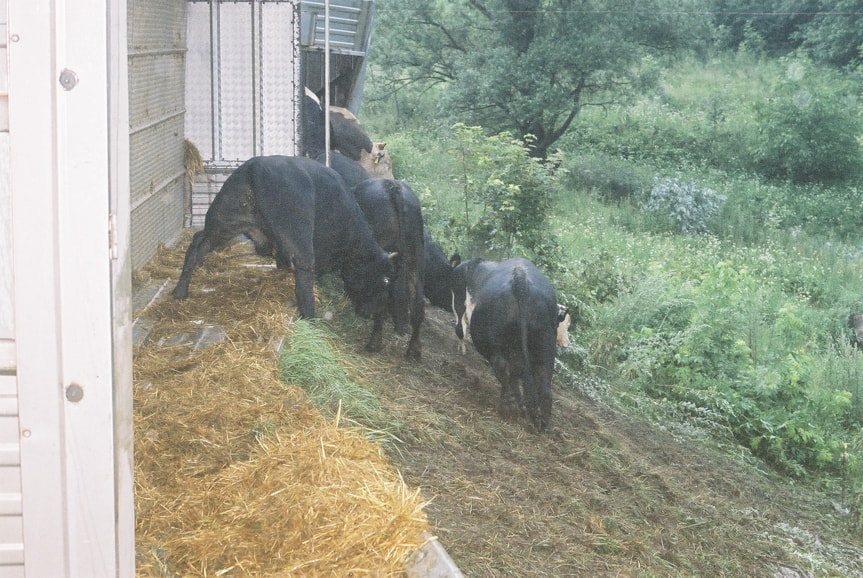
[(734, 330), (500, 63)]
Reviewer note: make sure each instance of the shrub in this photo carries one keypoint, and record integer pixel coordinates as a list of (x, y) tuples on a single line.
[(683, 206), (507, 195), (809, 128), (612, 180)]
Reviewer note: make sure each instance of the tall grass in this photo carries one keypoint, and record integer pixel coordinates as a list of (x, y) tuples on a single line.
[(738, 331)]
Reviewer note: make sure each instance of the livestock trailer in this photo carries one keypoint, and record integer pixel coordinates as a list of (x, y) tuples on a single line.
[(235, 111), (97, 101)]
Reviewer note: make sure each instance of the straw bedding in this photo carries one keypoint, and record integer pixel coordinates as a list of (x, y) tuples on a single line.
[(236, 473)]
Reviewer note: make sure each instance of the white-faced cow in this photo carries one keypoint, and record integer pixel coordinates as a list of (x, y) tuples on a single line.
[(395, 216), (378, 162), (299, 209), (312, 137), (510, 311)]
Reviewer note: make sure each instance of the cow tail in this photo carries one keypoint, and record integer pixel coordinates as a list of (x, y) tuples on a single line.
[(394, 190), (520, 290)]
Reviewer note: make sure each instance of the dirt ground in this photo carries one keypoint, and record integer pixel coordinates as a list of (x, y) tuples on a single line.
[(605, 494)]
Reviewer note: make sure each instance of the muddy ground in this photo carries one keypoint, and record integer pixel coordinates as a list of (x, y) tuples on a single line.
[(606, 494)]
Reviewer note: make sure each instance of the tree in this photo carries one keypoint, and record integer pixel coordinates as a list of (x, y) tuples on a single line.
[(835, 34), (830, 30), (776, 23), (528, 66)]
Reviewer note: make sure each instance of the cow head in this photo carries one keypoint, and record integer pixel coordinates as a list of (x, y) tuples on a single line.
[(378, 162), (462, 301), (368, 285), (564, 320)]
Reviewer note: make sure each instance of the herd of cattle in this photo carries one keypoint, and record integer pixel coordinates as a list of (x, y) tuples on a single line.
[(353, 218)]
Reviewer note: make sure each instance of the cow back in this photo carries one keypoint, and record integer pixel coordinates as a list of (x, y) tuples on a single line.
[(488, 287), (350, 170), (347, 134)]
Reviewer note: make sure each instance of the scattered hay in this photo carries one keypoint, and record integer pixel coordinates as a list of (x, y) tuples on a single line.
[(236, 472)]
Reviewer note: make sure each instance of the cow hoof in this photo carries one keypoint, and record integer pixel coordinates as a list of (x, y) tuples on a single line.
[(414, 354), (374, 346), (179, 294)]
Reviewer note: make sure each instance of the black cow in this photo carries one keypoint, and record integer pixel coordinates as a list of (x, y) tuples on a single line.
[(438, 271), (511, 311), (351, 171), (300, 209), (394, 213)]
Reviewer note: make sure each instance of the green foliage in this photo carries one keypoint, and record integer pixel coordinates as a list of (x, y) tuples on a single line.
[(507, 195), (729, 355), (809, 128), (835, 35), (527, 67), (775, 23), (783, 120), (610, 179)]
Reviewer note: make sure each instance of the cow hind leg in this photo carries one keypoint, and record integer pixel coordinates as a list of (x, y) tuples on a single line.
[(537, 391), (511, 403), (398, 304), (414, 351), (304, 289), (200, 246)]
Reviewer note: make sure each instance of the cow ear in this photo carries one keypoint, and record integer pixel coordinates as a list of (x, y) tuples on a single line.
[(455, 260)]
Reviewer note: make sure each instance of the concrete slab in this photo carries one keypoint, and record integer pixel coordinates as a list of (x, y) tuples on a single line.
[(432, 561)]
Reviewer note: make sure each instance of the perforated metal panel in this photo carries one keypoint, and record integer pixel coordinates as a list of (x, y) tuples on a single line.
[(241, 79)]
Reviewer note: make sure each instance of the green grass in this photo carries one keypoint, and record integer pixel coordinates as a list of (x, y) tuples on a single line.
[(311, 360)]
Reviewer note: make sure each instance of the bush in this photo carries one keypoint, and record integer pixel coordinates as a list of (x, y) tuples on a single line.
[(809, 128), (612, 180), (682, 206), (507, 195)]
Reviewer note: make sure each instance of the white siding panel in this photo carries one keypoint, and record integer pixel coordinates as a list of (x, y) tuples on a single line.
[(10, 450), (4, 73), (7, 320), (199, 93)]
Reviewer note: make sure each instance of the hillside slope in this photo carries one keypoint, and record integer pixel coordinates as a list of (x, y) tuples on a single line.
[(605, 495)]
